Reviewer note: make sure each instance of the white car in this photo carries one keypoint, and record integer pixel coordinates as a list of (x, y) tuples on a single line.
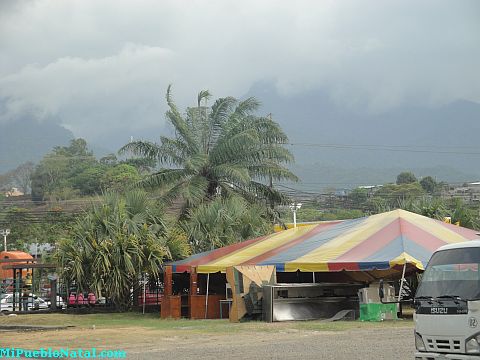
[(34, 303), (60, 303)]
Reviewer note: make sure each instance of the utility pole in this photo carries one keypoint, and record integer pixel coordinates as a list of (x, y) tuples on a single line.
[(294, 207), (5, 233), (270, 184)]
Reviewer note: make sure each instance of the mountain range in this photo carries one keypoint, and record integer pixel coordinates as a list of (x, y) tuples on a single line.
[(334, 145), (339, 146), (26, 139)]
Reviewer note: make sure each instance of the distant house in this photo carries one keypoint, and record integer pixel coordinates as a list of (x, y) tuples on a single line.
[(469, 192), (13, 192), (371, 189), (475, 191), (342, 192)]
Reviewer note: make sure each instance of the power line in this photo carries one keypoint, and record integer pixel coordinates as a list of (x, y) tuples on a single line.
[(454, 183), (402, 146), (392, 148)]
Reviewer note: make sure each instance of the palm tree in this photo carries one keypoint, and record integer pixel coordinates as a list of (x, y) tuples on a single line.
[(224, 221), (115, 243), (463, 215), (221, 150), (431, 207)]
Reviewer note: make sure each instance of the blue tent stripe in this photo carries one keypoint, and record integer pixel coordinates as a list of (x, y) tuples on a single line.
[(416, 250), (280, 267), (396, 247), (389, 251), (379, 265), (190, 258)]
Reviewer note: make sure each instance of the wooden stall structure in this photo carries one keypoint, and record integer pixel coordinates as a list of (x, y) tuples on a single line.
[(246, 283), (189, 300)]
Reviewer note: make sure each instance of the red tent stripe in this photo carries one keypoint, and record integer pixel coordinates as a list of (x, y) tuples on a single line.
[(372, 244), (265, 256), (466, 233), (349, 266), (428, 240)]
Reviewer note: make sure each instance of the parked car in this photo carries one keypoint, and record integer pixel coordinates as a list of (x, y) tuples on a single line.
[(61, 304), (34, 302)]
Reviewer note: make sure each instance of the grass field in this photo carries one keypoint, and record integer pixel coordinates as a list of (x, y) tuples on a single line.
[(153, 322)]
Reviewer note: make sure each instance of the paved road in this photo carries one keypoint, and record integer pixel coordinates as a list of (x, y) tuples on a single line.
[(390, 343)]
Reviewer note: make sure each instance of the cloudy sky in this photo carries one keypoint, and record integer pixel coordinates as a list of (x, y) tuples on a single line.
[(95, 65)]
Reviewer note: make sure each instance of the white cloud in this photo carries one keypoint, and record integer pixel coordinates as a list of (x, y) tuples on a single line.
[(94, 94), (98, 64)]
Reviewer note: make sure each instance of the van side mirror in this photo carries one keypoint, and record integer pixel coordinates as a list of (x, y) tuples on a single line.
[(381, 292)]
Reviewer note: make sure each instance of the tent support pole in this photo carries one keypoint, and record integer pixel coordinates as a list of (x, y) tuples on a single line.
[(401, 282), (313, 277), (206, 296), (144, 294), (370, 276)]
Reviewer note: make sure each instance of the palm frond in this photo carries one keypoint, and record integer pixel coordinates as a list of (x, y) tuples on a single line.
[(136, 202), (192, 191), (163, 178), (269, 130), (234, 173), (221, 110), (247, 107), (203, 95), (266, 193), (234, 146), (146, 149), (271, 170), (257, 153), (179, 124), (172, 151)]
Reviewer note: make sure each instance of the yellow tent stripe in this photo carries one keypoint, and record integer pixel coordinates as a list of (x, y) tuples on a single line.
[(431, 226), (405, 258), (307, 267)]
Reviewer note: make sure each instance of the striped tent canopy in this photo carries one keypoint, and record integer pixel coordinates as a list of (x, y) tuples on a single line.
[(378, 242)]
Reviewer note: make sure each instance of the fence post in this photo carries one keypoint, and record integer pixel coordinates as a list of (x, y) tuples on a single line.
[(53, 294)]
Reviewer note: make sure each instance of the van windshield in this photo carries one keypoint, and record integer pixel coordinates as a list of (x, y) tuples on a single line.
[(452, 272)]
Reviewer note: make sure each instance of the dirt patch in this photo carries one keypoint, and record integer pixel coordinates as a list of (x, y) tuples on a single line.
[(287, 343), (80, 338)]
